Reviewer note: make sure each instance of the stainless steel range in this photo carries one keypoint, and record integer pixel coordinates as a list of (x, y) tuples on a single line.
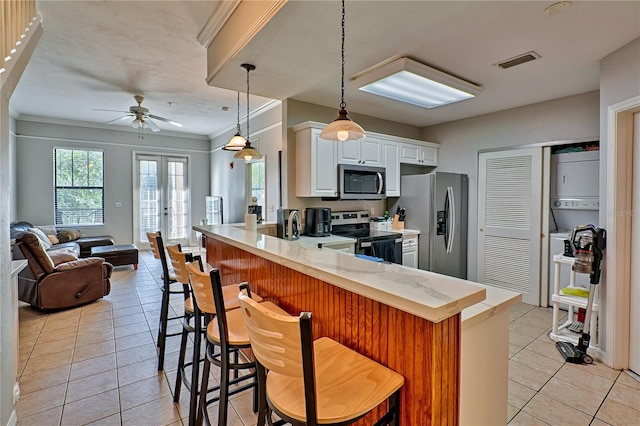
[(370, 242)]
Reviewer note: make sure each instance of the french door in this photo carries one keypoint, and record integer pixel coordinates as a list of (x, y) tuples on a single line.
[(161, 198)]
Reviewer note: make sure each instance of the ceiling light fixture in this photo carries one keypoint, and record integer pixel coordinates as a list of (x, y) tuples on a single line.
[(409, 81), (342, 128), (237, 142), (248, 152)]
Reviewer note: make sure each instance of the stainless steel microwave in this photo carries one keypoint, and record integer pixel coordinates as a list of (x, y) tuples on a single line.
[(361, 182)]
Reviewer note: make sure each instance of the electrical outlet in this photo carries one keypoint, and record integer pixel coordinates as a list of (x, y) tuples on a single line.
[(117, 204)]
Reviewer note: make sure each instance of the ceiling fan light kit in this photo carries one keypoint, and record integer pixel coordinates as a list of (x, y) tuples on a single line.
[(248, 152), (412, 82), (141, 117), (237, 142), (342, 128)]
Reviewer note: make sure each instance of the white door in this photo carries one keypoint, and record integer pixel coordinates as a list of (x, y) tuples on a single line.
[(509, 221), (161, 198), (634, 314)]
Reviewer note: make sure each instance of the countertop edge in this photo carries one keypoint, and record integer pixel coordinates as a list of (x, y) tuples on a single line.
[(434, 313)]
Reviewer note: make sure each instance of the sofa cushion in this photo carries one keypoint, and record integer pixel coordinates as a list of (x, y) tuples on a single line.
[(79, 263), (71, 247), (34, 245), (48, 229), (42, 237)]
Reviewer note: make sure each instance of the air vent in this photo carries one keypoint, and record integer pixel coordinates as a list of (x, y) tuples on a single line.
[(517, 60)]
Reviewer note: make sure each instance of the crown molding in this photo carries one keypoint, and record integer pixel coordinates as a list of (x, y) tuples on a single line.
[(256, 112), (216, 21)]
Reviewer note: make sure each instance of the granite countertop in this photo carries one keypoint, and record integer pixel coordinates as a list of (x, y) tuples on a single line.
[(425, 294), (326, 241)]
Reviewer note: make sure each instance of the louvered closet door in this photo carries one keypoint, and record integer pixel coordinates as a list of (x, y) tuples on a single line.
[(509, 221)]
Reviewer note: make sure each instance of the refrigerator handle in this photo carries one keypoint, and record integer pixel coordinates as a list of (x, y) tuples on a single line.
[(381, 180), (451, 218)]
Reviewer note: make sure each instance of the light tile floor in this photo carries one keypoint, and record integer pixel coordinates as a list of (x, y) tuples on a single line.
[(97, 364)]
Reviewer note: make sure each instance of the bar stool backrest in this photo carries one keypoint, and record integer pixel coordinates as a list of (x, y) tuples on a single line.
[(151, 236), (179, 261), (275, 339), (202, 288)]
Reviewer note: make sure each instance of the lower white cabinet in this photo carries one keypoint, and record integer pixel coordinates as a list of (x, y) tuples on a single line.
[(410, 251)]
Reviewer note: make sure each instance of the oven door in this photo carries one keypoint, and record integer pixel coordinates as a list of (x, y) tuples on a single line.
[(361, 182), (389, 249)]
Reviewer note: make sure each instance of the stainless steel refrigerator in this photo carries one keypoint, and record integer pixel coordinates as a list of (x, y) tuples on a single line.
[(436, 204)]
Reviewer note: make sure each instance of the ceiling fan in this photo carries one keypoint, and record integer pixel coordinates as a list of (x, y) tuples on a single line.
[(141, 117)]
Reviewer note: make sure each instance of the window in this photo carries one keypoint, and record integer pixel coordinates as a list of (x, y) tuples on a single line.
[(79, 187), (256, 183)]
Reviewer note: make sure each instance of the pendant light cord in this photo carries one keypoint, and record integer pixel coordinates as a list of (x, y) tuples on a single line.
[(343, 105), (238, 111), (247, 105)]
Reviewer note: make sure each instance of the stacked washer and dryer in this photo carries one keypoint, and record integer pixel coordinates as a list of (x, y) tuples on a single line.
[(574, 201)]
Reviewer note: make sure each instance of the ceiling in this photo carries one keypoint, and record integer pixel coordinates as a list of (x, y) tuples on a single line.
[(98, 54)]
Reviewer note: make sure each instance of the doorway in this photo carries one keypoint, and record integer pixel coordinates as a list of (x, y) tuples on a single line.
[(161, 198)]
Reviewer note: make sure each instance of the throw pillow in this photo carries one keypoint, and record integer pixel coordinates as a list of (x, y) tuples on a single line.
[(53, 239), (47, 229), (67, 235), (42, 237)]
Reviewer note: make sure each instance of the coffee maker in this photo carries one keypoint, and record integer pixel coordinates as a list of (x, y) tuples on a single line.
[(288, 224), (317, 222)]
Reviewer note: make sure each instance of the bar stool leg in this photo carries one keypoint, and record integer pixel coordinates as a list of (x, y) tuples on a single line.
[(203, 391), (224, 384), (195, 369), (181, 357), (162, 329), (261, 394)]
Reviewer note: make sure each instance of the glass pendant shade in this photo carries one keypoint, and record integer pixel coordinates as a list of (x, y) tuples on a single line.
[(248, 153), (343, 129), (236, 143)]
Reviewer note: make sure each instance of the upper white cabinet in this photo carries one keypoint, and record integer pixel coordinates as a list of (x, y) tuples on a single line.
[(420, 155), (391, 154), (316, 163), (366, 151), (317, 159)]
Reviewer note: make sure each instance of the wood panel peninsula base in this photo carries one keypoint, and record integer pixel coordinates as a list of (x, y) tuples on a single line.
[(404, 318)]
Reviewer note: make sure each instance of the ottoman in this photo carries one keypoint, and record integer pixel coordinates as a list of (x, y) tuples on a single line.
[(123, 254)]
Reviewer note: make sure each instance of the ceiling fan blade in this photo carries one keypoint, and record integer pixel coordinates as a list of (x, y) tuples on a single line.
[(166, 120), (153, 126), (120, 118), (110, 110)]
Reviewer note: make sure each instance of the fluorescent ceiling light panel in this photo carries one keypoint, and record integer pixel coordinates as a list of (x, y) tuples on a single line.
[(408, 81)]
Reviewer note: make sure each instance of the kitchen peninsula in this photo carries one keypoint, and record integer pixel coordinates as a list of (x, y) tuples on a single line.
[(407, 319)]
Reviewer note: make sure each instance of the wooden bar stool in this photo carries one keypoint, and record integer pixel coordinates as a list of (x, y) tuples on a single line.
[(192, 323), (227, 333), (155, 240), (314, 382)]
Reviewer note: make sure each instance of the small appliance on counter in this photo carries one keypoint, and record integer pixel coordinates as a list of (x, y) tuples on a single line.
[(317, 222), (288, 224)]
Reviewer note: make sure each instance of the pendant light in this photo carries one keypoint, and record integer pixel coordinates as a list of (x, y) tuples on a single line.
[(237, 142), (248, 152), (342, 128)]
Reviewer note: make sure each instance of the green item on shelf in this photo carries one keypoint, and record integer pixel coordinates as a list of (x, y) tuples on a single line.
[(575, 291)]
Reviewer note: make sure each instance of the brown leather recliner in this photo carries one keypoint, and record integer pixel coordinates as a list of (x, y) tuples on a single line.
[(60, 280)]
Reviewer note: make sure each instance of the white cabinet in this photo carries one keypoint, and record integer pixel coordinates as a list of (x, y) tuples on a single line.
[(316, 163), (391, 154), (420, 155), (562, 332), (366, 151), (410, 251)]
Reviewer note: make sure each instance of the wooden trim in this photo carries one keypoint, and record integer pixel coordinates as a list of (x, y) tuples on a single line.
[(427, 354)]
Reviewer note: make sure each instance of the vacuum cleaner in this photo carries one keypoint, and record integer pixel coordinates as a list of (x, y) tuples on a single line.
[(588, 252)]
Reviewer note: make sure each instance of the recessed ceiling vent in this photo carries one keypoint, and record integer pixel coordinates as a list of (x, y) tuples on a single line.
[(518, 60)]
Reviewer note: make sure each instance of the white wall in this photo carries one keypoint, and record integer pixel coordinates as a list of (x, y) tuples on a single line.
[(570, 118), (35, 144), (619, 81), (13, 172), (228, 182)]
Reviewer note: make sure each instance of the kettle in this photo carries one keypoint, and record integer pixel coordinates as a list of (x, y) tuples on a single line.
[(293, 225)]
